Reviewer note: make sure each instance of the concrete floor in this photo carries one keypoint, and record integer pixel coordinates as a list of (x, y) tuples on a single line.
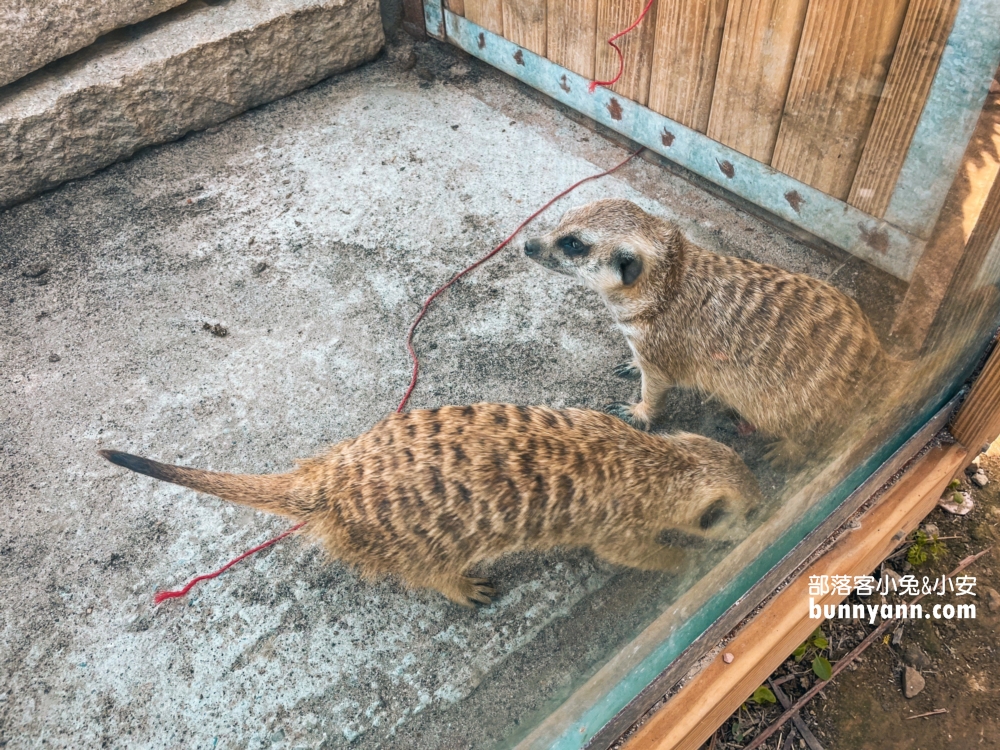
[(311, 229)]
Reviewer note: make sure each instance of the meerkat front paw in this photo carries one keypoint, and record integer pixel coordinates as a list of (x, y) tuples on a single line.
[(466, 591), (626, 413), (628, 370)]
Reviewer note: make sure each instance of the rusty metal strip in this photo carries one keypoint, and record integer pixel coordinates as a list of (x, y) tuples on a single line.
[(434, 19), (832, 220)]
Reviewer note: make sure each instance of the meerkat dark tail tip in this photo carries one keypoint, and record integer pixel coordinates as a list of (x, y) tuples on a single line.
[(137, 464)]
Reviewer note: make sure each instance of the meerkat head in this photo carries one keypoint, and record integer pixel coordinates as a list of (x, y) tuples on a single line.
[(612, 246), (726, 500)]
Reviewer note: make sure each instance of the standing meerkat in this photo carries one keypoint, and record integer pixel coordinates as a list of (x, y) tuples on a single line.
[(789, 352), (428, 494)]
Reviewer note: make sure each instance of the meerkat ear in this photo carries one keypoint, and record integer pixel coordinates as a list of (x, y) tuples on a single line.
[(627, 265)]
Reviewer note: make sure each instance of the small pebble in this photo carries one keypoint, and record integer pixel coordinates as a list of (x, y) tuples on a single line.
[(728, 658), (916, 658), (217, 330), (913, 682), (955, 506), (980, 479), (259, 268), (931, 530), (35, 270), (993, 600), (54, 357)]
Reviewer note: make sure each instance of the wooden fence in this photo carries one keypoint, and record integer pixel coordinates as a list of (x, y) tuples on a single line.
[(826, 91)]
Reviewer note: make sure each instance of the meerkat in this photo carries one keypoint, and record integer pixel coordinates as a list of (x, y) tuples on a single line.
[(428, 494), (790, 353)]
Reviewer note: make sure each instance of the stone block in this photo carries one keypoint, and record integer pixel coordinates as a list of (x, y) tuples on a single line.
[(37, 32), (184, 70)]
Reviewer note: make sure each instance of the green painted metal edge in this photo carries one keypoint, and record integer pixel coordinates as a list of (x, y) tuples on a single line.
[(433, 19), (957, 95), (840, 224)]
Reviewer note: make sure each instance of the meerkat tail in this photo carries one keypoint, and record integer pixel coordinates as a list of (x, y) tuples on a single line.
[(273, 493)]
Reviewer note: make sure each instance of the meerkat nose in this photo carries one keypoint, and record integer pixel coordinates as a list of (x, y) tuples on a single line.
[(532, 248)]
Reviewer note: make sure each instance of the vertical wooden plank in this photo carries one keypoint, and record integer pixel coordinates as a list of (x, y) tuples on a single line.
[(486, 13), (971, 55), (918, 52), (685, 59), (571, 27), (978, 421), (759, 44), (840, 69), (455, 6), (968, 222), (524, 23), (637, 47)]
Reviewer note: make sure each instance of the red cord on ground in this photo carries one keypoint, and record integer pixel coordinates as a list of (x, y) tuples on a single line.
[(621, 58), (490, 254), (163, 596)]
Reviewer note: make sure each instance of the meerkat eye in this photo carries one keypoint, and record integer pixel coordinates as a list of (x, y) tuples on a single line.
[(713, 514), (572, 246)]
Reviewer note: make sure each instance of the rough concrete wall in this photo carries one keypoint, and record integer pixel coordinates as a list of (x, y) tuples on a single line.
[(184, 70), (36, 32)]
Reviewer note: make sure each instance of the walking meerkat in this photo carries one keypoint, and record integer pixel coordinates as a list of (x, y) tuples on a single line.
[(429, 494), (790, 353)]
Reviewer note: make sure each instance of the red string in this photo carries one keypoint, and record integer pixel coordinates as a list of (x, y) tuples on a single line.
[(163, 596), (621, 58), (490, 254)]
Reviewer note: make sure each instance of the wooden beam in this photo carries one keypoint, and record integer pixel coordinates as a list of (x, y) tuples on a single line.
[(571, 30), (486, 13), (693, 714), (637, 47), (840, 68), (455, 6), (759, 44), (918, 52), (685, 59), (958, 246), (524, 23), (977, 423)]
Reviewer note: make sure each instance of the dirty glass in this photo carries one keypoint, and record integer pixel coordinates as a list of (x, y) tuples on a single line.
[(239, 299)]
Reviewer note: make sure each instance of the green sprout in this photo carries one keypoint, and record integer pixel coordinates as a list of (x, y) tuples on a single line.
[(925, 547)]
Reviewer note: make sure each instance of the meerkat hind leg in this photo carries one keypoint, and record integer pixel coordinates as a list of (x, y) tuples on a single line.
[(459, 588)]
